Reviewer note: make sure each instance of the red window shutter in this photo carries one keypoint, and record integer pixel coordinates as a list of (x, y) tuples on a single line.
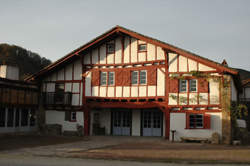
[(151, 76), (95, 81), (126, 77), (203, 85), (118, 77), (207, 121), (173, 85), (187, 121)]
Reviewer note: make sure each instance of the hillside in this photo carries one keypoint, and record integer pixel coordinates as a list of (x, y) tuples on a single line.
[(27, 61)]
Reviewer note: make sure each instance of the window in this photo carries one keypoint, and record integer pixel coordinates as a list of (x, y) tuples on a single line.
[(196, 121), (134, 77), (10, 121), (183, 85), (73, 116), (192, 85), (2, 116), (143, 77), (24, 117), (111, 78), (107, 77), (32, 117), (110, 48), (103, 78), (17, 117), (142, 47), (70, 116)]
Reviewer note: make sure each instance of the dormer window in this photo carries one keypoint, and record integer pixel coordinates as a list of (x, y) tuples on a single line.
[(142, 47), (110, 48)]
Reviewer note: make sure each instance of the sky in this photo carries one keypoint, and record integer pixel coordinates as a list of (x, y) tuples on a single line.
[(215, 29)]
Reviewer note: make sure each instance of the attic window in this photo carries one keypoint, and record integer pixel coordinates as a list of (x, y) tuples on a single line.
[(142, 47), (110, 48)]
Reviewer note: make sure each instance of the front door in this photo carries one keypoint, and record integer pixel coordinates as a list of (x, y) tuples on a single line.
[(151, 123), (121, 122)]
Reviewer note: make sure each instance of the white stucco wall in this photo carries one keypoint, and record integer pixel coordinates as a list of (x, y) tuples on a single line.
[(136, 122), (178, 123), (58, 117)]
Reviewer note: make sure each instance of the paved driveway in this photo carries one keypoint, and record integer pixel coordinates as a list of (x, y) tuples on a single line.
[(48, 161), (91, 142)]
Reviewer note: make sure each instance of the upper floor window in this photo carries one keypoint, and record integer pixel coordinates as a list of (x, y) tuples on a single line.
[(183, 85), (110, 48), (192, 85), (143, 77), (107, 78), (103, 78), (111, 78), (142, 47), (139, 77), (134, 77)]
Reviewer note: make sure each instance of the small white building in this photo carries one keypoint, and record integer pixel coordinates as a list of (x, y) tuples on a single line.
[(125, 83)]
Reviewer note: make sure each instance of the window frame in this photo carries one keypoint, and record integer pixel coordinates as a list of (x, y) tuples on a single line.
[(106, 80), (109, 78), (142, 50), (196, 87), (180, 86), (108, 48), (137, 77), (188, 126), (71, 116), (145, 77)]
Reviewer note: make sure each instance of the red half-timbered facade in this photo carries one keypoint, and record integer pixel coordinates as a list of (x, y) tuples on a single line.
[(125, 83)]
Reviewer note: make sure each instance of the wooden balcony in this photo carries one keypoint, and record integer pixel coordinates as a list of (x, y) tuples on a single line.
[(54, 99)]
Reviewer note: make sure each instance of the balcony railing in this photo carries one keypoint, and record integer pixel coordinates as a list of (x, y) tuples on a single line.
[(57, 98)]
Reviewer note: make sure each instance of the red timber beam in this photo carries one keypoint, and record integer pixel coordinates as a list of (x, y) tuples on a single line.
[(86, 116), (166, 113), (106, 104)]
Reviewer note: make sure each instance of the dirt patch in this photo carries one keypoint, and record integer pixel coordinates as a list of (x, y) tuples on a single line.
[(170, 152), (26, 141)]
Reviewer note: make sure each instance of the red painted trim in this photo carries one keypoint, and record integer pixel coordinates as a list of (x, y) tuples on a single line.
[(167, 86), (130, 50), (167, 124), (155, 52), (86, 121)]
